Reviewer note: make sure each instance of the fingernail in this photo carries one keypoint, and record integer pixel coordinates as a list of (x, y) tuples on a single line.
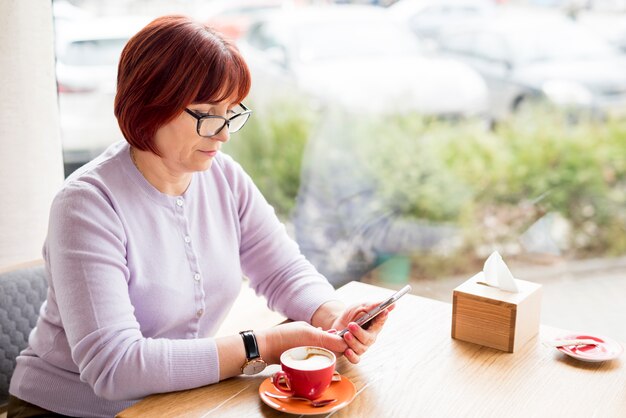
[(352, 326), (348, 336)]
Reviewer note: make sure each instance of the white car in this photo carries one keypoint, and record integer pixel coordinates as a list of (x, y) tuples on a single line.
[(88, 52), (528, 56), (233, 17), (429, 18), (610, 26), (357, 57)]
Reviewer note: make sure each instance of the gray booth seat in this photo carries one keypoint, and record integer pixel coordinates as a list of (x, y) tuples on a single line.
[(22, 291)]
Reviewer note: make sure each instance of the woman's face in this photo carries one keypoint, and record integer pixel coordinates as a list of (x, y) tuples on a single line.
[(182, 149)]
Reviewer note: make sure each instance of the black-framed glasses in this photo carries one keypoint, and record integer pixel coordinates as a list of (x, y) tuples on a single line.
[(211, 125)]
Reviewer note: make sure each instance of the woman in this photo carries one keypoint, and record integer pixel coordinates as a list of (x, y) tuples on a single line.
[(147, 245)]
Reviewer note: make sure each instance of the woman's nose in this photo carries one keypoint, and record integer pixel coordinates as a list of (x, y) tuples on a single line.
[(223, 135)]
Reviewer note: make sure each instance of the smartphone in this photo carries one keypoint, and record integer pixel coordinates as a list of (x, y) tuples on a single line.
[(363, 320)]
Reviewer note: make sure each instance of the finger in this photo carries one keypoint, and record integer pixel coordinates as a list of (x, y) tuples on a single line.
[(367, 336), (333, 342), (355, 344), (360, 311), (378, 322), (363, 310), (351, 356), (369, 306)]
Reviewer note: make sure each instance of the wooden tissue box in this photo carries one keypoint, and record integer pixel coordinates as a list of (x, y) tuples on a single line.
[(488, 316)]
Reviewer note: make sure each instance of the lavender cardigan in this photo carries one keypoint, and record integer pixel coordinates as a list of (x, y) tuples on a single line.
[(140, 281)]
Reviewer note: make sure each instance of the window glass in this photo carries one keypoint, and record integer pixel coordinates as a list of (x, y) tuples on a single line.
[(463, 43), (383, 141), (93, 52), (332, 40), (260, 37), (565, 42), (490, 46)]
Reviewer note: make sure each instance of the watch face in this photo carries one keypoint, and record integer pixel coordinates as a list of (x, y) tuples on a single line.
[(254, 367)]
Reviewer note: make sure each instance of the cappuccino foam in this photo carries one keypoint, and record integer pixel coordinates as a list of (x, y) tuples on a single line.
[(306, 361)]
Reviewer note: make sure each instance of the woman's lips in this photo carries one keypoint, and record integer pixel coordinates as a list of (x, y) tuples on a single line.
[(211, 153)]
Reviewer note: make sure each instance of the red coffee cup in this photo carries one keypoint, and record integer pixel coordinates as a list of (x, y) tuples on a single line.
[(306, 371)]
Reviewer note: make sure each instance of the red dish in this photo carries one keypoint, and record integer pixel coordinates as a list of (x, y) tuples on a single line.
[(607, 349)]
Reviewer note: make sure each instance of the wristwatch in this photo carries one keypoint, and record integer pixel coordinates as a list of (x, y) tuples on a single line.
[(254, 363)]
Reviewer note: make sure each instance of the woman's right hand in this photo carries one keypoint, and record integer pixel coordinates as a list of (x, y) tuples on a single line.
[(274, 341)]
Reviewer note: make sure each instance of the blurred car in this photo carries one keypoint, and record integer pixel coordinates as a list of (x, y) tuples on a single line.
[(88, 52), (428, 18), (355, 56), (607, 18), (610, 26), (64, 11), (527, 56), (233, 18), (573, 6)]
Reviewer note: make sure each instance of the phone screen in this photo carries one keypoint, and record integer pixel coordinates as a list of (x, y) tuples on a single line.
[(363, 320)]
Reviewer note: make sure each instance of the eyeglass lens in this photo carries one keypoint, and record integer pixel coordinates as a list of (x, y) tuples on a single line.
[(211, 126)]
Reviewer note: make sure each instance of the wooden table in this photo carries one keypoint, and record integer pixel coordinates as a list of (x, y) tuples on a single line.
[(417, 370)]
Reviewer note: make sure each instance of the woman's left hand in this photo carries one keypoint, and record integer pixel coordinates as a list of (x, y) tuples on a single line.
[(357, 338)]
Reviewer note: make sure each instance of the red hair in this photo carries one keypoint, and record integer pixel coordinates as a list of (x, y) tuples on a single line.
[(168, 65)]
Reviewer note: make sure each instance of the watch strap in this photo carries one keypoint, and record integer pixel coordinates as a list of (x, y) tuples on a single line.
[(250, 344)]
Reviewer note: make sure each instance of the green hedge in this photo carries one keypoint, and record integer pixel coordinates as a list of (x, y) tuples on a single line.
[(498, 183)]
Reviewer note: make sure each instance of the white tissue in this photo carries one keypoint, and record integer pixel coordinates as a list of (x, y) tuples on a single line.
[(497, 274)]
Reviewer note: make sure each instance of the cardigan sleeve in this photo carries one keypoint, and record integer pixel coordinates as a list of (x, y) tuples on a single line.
[(269, 257), (89, 280)]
